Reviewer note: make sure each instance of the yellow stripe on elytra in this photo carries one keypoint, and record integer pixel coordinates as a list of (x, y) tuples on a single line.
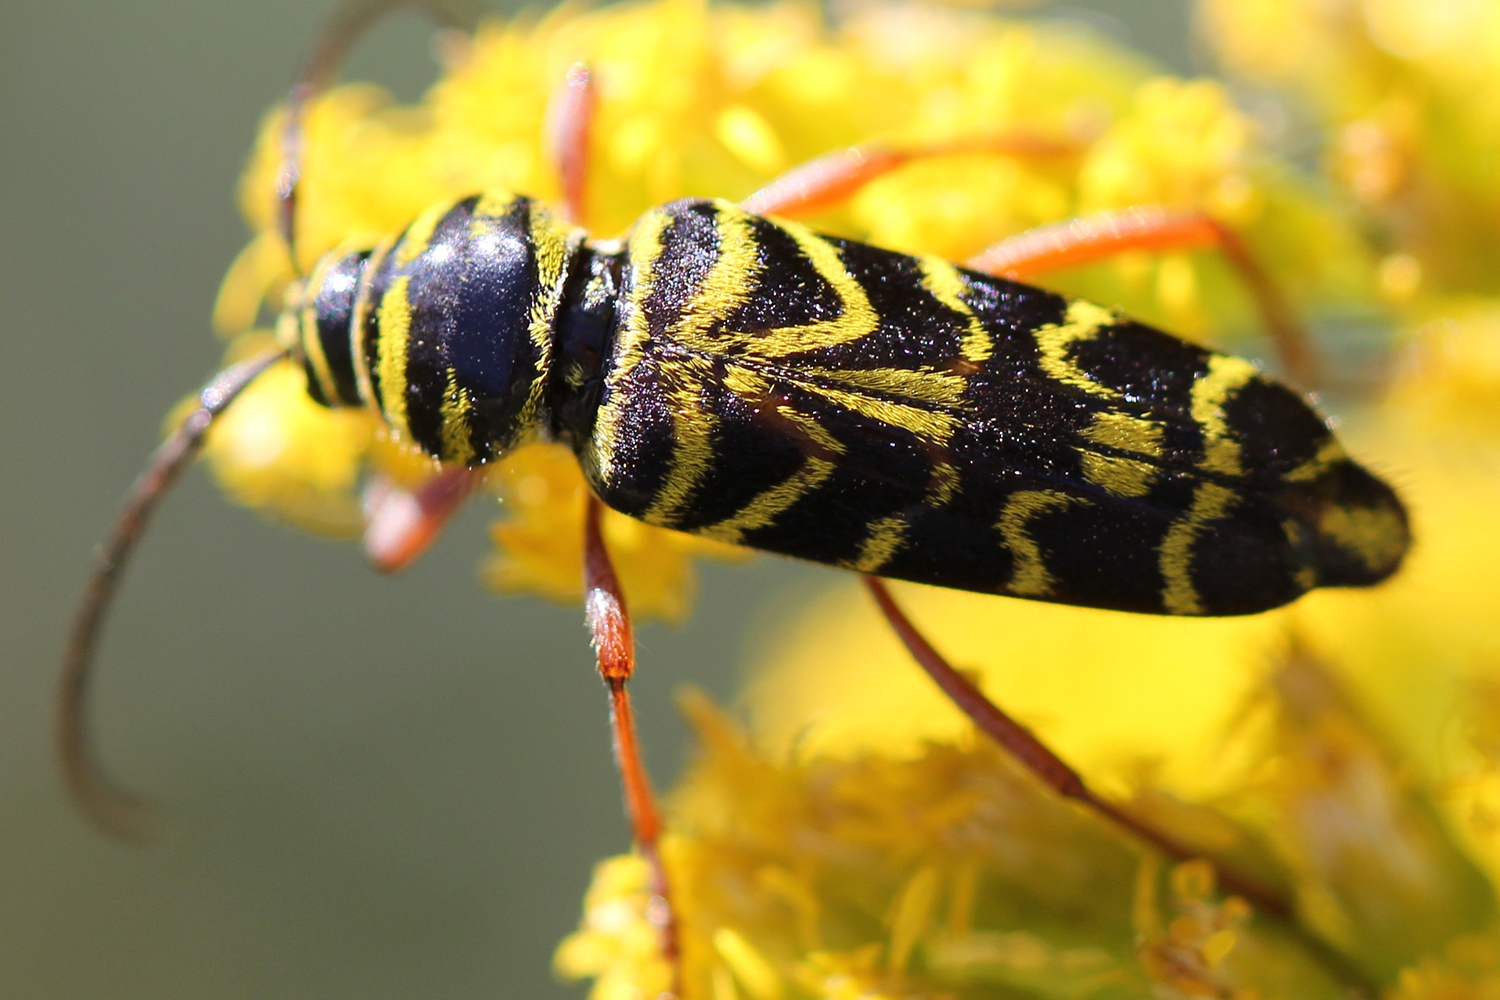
[(734, 277), (926, 385), (884, 540), (731, 280), (1029, 576), (857, 317), (729, 283), (744, 382), (1121, 476), (395, 331), (418, 235), (931, 426), (692, 445), (766, 506), (1175, 554), (815, 432), (1126, 432), (1329, 454), (945, 283), (1054, 343), (644, 250), (692, 454), (1375, 536), (457, 430), (944, 484), (1211, 390), (763, 510)]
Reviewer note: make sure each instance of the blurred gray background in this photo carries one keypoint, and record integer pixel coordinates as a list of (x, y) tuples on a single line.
[(374, 787)]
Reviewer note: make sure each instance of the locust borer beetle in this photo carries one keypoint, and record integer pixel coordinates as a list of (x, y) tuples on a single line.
[(725, 371)]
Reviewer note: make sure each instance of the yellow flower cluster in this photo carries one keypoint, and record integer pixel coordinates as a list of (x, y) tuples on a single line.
[(1405, 93), (949, 874), (952, 872)]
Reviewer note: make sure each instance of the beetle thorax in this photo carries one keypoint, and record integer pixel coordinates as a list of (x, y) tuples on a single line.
[(447, 329)]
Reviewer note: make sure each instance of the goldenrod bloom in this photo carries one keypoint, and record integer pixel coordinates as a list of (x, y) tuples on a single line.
[(1405, 91)]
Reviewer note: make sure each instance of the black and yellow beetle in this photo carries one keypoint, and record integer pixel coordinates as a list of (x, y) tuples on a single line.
[(750, 380), (731, 374)]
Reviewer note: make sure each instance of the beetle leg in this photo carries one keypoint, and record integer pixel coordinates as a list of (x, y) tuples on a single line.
[(828, 179), (401, 524), (1037, 758), (1152, 228), (609, 626), (570, 119)]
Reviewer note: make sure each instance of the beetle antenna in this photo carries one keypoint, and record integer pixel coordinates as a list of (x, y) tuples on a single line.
[(114, 810), (352, 19), (111, 808)]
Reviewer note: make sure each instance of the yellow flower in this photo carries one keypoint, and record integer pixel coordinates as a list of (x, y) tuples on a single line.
[(1446, 390), (949, 873), (1405, 90), (617, 944)]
